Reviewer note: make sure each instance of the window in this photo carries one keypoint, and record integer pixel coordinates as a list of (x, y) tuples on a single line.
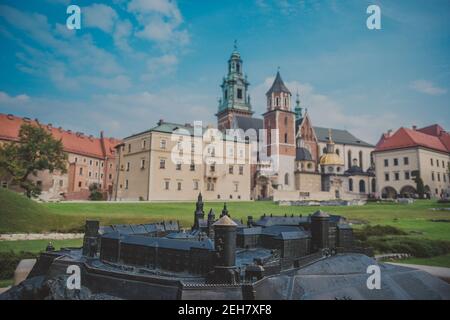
[(90, 174), (443, 164), (386, 162), (126, 184), (285, 138), (362, 186), (396, 176), (431, 161), (212, 168), (178, 166), (128, 166), (129, 150), (386, 177), (96, 175), (437, 163), (110, 176), (360, 159), (236, 187), (179, 186), (142, 163), (226, 94), (439, 177), (286, 179), (166, 184), (96, 163), (285, 121), (162, 144), (395, 162), (241, 170), (79, 184), (162, 164), (407, 175), (192, 166), (277, 101), (4, 184), (195, 184), (350, 184), (444, 177), (81, 171), (61, 183), (238, 67), (76, 159), (230, 169), (239, 93), (337, 151), (405, 161), (432, 176), (210, 186), (285, 102), (102, 164)]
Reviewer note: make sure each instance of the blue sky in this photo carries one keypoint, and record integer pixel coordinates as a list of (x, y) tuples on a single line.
[(136, 61)]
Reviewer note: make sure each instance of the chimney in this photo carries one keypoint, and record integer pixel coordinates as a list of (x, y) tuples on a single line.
[(160, 122), (414, 127)]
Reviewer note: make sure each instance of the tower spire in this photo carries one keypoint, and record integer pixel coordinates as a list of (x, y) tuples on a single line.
[(298, 109)]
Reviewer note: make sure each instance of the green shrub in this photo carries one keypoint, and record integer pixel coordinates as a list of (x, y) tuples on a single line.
[(377, 231), (9, 262), (420, 248)]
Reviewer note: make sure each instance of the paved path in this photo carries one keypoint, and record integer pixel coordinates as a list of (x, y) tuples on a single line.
[(440, 272), (40, 236)]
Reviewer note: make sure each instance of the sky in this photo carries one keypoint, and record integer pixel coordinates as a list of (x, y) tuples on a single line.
[(134, 62)]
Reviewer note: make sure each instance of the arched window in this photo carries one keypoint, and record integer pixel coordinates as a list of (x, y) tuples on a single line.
[(349, 159), (350, 184), (277, 101), (286, 179), (360, 159), (374, 185), (362, 186), (238, 67), (285, 102), (285, 138)]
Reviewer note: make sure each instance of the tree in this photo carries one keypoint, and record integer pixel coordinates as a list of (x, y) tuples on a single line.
[(35, 151), (96, 194), (419, 183)]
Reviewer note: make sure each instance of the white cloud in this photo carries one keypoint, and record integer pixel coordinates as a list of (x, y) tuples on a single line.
[(160, 21), (99, 16), (427, 87), (7, 100)]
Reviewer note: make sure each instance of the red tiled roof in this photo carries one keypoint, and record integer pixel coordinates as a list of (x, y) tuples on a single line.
[(406, 138), (72, 141), (433, 130)]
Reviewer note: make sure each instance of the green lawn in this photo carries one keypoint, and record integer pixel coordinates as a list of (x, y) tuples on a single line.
[(18, 214), (36, 246)]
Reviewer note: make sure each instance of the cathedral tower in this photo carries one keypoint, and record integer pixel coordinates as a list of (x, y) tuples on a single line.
[(235, 98), (279, 116)]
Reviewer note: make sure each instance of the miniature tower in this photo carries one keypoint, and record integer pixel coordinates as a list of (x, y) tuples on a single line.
[(225, 246), (279, 122), (211, 219), (224, 211), (319, 230), (199, 214), (90, 240)]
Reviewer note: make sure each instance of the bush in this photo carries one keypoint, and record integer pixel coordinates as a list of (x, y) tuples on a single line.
[(95, 195), (377, 231), (9, 262), (420, 248)]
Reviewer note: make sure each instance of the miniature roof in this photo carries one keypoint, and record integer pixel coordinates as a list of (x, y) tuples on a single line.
[(225, 221)]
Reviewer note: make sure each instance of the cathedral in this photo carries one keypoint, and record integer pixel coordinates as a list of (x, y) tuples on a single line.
[(302, 162)]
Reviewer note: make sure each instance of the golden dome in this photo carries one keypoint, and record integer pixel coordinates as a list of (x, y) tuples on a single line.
[(331, 159)]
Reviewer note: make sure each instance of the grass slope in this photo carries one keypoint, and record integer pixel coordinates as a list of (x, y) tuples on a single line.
[(20, 214)]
